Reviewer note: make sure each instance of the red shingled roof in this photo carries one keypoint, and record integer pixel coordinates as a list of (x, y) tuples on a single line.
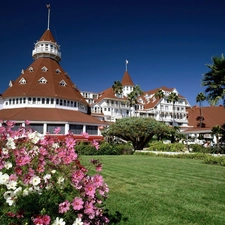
[(50, 89), (127, 81), (47, 36), (46, 114), (213, 116)]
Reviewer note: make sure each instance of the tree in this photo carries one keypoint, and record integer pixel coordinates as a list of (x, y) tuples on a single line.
[(199, 99), (139, 131), (216, 130), (160, 94), (118, 90), (214, 80), (173, 97), (117, 87), (133, 96)]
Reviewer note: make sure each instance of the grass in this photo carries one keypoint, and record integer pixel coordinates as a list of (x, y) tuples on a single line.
[(154, 190)]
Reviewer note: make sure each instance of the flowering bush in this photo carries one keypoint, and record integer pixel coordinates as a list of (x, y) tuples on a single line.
[(42, 181)]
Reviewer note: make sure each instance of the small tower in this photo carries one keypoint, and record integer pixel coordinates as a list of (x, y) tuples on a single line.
[(47, 47)]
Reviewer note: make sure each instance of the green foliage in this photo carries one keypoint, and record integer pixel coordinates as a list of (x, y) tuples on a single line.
[(199, 148), (215, 160), (104, 149), (160, 146), (137, 130), (214, 80)]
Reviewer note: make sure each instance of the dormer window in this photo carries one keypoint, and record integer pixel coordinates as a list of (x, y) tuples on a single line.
[(42, 81), (62, 83), (22, 81), (44, 69), (31, 69), (58, 71), (22, 71)]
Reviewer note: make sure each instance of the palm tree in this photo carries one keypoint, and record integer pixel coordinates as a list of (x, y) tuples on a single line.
[(117, 87), (118, 90), (160, 94), (216, 130), (136, 93), (199, 99), (214, 80), (173, 97)]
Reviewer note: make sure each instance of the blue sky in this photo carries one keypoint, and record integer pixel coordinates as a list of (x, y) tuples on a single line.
[(167, 43)]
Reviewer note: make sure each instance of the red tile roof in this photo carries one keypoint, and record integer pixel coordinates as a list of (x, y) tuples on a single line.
[(47, 36), (46, 114), (50, 89), (127, 81), (213, 116)]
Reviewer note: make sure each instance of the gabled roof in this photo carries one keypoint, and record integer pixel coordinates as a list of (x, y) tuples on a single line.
[(154, 101), (47, 114), (47, 36), (107, 94), (127, 81), (53, 87), (213, 116)]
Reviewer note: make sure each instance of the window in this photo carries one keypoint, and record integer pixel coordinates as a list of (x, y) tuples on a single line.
[(44, 69), (76, 129), (92, 130), (22, 81), (62, 83), (51, 128), (37, 127), (42, 81), (58, 71), (31, 69)]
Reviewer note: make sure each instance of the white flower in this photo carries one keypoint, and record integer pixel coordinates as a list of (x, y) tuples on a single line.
[(4, 178), (8, 165), (59, 221), (26, 192), (60, 180), (53, 171), (10, 143), (5, 151), (35, 180), (10, 197), (11, 185), (55, 145), (78, 222), (47, 177), (18, 190), (35, 137)]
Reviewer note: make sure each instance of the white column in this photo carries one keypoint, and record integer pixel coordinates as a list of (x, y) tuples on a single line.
[(44, 128)]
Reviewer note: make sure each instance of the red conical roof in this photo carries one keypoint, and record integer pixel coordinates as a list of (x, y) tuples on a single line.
[(127, 81), (47, 36)]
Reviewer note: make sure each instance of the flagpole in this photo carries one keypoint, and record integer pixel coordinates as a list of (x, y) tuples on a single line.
[(126, 63), (48, 6)]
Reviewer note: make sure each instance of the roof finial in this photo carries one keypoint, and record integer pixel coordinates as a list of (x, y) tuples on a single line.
[(48, 7), (126, 64)]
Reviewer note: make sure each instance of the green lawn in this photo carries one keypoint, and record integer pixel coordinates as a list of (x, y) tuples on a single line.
[(154, 190)]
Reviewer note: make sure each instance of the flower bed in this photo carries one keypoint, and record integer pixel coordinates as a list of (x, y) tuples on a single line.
[(42, 181)]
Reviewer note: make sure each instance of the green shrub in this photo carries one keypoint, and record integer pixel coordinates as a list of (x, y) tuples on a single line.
[(105, 148), (199, 148), (172, 147), (216, 160)]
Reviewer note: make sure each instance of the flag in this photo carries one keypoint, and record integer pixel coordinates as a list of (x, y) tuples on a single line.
[(126, 61), (48, 6)]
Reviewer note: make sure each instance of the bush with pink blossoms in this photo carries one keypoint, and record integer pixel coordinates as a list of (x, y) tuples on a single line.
[(43, 182)]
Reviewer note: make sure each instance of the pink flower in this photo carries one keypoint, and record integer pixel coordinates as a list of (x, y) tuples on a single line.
[(70, 142), (2, 129), (64, 207), (85, 135), (99, 167), (90, 190), (27, 122), (57, 130), (46, 219), (21, 161), (77, 203), (98, 180), (95, 144), (89, 208)]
